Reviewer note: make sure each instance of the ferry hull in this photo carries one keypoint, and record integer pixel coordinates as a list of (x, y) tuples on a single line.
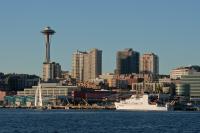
[(133, 107)]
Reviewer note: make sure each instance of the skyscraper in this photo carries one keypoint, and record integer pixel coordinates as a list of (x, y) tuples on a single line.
[(149, 63), (87, 65), (127, 62)]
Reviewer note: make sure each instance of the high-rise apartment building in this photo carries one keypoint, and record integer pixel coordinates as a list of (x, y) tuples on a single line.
[(78, 65), (47, 72), (87, 65), (95, 63), (127, 62), (51, 71), (149, 63)]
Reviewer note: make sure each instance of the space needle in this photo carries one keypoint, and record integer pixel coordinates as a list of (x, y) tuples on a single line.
[(48, 67), (48, 32)]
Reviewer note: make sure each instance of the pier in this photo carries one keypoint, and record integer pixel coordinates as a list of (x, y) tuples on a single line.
[(67, 107)]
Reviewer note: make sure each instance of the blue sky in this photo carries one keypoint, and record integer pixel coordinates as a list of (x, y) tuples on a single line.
[(169, 28)]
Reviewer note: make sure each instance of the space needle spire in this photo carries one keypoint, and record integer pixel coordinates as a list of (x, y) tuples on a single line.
[(48, 32)]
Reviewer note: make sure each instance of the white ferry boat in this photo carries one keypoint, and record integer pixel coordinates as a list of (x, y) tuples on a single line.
[(139, 103)]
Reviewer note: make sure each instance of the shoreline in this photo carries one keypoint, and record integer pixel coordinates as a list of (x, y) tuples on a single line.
[(90, 108)]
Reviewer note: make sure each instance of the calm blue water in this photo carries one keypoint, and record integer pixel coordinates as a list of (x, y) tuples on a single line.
[(61, 121)]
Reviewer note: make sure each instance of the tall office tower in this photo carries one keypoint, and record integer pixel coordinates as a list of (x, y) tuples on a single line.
[(48, 71), (127, 62), (149, 63), (78, 65), (87, 65)]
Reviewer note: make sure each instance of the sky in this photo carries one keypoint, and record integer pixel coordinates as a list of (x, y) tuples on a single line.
[(169, 28)]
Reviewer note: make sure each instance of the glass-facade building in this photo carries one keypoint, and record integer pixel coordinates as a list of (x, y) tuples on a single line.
[(189, 86), (127, 62), (183, 89)]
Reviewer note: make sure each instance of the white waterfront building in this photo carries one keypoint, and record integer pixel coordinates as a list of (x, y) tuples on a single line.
[(49, 89)]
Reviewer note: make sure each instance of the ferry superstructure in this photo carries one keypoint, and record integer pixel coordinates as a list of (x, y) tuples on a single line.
[(139, 103)]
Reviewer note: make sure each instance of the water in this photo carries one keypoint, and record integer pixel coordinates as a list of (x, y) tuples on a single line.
[(61, 121)]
